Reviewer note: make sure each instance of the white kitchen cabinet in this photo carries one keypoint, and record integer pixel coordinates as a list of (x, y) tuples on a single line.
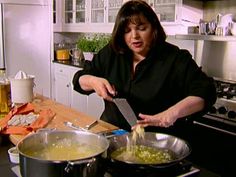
[(85, 15), (99, 15), (62, 84), (65, 94), (57, 16), (168, 11), (176, 16), (78, 101)]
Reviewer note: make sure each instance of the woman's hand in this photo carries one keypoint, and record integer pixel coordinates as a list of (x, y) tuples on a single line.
[(183, 108), (100, 85), (163, 119)]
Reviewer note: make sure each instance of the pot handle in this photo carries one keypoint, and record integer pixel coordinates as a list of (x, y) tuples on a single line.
[(70, 164)]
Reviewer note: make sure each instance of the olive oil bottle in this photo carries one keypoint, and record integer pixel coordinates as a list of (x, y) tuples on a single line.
[(5, 94)]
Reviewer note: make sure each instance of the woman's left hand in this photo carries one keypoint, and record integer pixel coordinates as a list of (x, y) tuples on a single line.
[(183, 108), (163, 119)]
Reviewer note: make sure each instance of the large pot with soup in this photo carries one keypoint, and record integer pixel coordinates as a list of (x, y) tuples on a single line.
[(61, 154), (154, 152)]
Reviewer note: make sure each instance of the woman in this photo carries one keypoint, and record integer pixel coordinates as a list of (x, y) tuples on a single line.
[(161, 82)]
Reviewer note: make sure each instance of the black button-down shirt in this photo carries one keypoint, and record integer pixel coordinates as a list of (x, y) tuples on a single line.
[(166, 76)]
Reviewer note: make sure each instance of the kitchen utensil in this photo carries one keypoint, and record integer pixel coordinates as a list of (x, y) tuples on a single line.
[(71, 125), (89, 126), (126, 110), (179, 147), (87, 166)]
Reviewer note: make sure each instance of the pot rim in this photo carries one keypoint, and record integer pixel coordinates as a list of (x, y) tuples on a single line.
[(156, 165), (103, 138)]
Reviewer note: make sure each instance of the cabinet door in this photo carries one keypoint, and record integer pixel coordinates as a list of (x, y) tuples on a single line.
[(167, 10), (80, 13), (62, 86), (57, 15), (95, 105), (97, 11), (78, 100), (112, 10), (74, 11), (68, 11)]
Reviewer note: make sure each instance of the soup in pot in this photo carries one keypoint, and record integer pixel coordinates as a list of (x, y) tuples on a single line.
[(64, 149)]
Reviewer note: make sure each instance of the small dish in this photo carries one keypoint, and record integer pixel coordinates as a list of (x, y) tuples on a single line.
[(13, 155)]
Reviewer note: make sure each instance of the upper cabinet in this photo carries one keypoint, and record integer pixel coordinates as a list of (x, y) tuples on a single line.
[(99, 15), (57, 15), (168, 11), (85, 15)]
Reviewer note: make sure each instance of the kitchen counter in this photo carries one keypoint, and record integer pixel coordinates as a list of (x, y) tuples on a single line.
[(64, 113), (69, 63)]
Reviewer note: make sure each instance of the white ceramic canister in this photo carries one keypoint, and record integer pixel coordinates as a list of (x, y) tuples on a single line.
[(233, 28), (22, 89)]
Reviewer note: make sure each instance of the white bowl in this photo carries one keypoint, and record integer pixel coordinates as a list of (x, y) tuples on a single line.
[(13, 155)]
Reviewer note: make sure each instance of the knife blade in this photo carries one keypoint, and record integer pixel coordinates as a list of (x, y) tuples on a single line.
[(126, 110)]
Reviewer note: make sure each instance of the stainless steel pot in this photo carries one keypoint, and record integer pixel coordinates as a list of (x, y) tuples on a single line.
[(31, 166), (179, 147)]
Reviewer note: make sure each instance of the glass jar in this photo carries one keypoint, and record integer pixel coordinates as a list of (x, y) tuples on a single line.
[(5, 94), (62, 51)]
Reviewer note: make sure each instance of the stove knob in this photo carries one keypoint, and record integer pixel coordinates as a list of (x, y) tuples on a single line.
[(222, 110), (212, 110), (231, 114)]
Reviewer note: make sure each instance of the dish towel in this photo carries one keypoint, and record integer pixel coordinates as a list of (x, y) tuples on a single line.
[(45, 116)]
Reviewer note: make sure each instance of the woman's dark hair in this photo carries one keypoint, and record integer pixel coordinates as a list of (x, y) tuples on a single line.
[(132, 11)]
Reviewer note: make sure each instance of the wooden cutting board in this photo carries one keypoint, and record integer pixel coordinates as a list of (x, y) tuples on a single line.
[(63, 114)]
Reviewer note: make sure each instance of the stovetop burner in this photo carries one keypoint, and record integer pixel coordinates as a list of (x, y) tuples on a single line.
[(225, 89), (224, 110)]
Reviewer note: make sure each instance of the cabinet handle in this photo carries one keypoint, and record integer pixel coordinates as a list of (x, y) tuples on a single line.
[(67, 85), (61, 70)]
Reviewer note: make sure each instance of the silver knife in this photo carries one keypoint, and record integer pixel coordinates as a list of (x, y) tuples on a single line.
[(126, 110)]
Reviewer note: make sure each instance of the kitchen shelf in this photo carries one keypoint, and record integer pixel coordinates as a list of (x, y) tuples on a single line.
[(205, 37)]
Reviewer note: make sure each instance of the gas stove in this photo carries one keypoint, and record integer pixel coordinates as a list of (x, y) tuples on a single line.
[(224, 110)]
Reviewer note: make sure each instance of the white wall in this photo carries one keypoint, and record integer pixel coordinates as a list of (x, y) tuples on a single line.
[(218, 59), (183, 44)]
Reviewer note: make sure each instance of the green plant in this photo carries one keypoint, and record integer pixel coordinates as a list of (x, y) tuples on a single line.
[(92, 43)]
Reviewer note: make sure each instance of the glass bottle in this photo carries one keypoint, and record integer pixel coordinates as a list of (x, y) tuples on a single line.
[(5, 94)]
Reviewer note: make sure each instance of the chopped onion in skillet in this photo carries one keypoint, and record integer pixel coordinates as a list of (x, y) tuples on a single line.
[(141, 154)]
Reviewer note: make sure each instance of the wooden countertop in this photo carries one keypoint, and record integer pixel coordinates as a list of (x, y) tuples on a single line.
[(63, 114)]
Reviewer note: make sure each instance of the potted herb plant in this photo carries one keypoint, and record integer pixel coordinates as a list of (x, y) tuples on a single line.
[(90, 45)]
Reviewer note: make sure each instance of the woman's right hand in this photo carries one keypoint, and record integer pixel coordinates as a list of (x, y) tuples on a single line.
[(100, 85)]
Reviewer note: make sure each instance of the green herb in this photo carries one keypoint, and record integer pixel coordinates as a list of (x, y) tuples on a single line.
[(92, 43)]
